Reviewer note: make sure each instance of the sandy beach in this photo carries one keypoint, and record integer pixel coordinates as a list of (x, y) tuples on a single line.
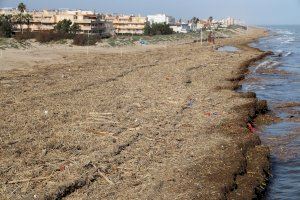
[(146, 122)]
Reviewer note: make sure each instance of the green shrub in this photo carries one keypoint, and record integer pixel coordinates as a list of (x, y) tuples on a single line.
[(157, 29), (85, 40), (44, 37), (25, 36), (63, 26), (6, 26)]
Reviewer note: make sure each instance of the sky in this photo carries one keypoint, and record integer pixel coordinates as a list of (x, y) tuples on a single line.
[(253, 12)]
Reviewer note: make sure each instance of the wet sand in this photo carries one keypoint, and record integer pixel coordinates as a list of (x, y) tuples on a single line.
[(151, 123)]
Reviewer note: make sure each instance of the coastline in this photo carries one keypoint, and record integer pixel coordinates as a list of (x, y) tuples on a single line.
[(237, 165)]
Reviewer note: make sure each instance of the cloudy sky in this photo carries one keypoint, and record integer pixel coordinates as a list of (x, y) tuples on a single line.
[(256, 12)]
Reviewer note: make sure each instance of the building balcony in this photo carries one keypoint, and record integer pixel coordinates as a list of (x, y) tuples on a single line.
[(129, 27), (82, 21), (129, 22)]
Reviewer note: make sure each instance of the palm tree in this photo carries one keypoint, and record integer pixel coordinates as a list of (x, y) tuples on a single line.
[(27, 19), (20, 17), (21, 7), (19, 20), (195, 20)]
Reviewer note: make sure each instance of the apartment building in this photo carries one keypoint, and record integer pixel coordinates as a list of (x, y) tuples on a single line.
[(227, 22), (161, 18), (8, 11), (181, 27), (88, 21), (45, 20), (125, 24)]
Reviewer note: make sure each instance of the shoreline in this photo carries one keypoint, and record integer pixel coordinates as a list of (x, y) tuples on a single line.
[(252, 181), (213, 155)]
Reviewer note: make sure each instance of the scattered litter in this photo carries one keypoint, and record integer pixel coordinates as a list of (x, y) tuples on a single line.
[(141, 42), (62, 168), (251, 128), (190, 103), (207, 114)]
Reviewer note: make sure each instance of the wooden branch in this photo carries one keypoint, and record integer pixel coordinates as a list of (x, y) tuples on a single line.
[(105, 177), (29, 179)]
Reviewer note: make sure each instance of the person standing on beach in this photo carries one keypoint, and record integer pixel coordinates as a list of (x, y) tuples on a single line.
[(209, 37), (213, 36)]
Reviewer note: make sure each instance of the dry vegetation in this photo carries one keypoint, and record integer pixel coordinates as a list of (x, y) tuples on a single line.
[(136, 125)]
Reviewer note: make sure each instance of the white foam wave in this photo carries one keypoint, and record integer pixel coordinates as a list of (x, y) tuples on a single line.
[(288, 41), (284, 32), (287, 54), (281, 53), (285, 39), (267, 64)]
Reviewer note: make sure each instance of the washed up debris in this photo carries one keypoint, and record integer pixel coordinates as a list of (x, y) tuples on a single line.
[(62, 168), (141, 42), (250, 127), (190, 103), (105, 177), (209, 114), (29, 179)]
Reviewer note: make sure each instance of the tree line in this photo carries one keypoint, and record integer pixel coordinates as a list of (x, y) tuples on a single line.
[(157, 29), (7, 22)]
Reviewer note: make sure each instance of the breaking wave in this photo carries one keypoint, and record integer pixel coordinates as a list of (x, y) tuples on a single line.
[(269, 64), (281, 53), (284, 32)]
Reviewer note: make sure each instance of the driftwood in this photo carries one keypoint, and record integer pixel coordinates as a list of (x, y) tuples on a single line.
[(29, 179), (105, 177)]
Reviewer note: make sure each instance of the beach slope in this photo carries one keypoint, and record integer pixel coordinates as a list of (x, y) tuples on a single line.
[(156, 123)]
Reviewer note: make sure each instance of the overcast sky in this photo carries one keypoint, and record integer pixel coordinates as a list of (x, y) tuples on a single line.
[(256, 12)]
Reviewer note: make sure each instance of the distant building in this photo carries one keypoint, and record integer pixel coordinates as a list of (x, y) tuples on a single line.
[(8, 11), (227, 22), (181, 28), (125, 24), (193, 26), (161, 18), (46, 20)]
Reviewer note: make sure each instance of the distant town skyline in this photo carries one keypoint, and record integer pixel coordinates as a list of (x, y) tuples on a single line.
[(256, 12)]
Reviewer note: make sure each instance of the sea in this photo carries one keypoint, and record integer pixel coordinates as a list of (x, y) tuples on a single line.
[(277, 80)]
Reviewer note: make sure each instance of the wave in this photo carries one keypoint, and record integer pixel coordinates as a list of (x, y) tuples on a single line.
[(284, 32), (267, 64), (286, 39), (287, 54), (281, 53)]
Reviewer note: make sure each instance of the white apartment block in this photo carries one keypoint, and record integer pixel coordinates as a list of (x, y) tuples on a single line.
[(228, 22), (125, 24), (161, 18), (181, 28)]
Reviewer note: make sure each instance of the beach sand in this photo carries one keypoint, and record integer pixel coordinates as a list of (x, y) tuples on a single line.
[(159, 122)]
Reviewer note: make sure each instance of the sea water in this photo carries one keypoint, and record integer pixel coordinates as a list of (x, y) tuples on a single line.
[(277, 80)]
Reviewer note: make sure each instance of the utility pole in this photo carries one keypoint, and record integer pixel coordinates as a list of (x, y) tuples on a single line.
[(87, 49), (201, 36)]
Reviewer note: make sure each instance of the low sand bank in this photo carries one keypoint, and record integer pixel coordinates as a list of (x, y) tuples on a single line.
[(161, 123)]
